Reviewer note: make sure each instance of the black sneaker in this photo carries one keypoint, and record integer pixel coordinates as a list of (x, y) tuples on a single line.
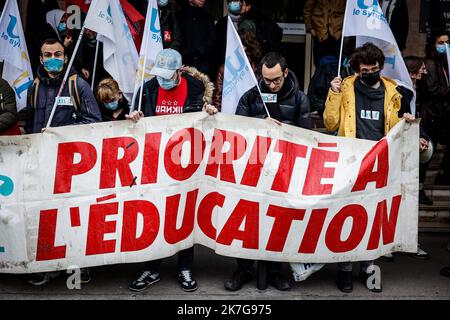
[(42, 278), (345, 281), (85, 275), (187, 281), (145, 279), (424, 199), (238, 279)]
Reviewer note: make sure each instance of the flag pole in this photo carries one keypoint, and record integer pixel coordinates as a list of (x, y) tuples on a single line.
[(144, 67), (66, 76), (342, 41), (94, 70)]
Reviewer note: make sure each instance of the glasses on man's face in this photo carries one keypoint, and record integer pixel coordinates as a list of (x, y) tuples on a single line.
[(57, 54), (275, 81)]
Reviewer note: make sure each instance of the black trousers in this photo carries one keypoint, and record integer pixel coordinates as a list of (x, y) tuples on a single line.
[(247, 265)]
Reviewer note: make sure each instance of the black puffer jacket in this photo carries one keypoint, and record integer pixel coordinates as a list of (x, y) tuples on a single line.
[(292, 105), (8, 111)]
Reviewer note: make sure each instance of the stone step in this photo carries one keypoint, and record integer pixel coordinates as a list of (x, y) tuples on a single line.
[(437, 215), (438, 205)]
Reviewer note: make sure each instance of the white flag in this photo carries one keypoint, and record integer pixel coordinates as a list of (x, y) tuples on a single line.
[(151, 45), (120, 57), (238, 75), (13, 52), (369, 24)]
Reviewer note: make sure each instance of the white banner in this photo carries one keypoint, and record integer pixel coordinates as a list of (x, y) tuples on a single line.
[(121, 192), (13, 51), (120, 55), (238, 73)]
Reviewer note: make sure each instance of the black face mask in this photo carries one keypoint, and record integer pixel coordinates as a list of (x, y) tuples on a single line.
[(370, 78)]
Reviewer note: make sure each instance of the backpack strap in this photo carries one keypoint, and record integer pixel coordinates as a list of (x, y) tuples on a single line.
[(73, 91), (34, 97)]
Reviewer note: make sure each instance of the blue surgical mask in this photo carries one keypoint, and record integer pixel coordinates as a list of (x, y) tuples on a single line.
[(163, 3), (166, 84), (53, 65), (112, 105), (62, 27), (234, 7), (441, 48)]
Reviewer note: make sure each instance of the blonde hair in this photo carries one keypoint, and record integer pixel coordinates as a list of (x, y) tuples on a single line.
[(107, 90)]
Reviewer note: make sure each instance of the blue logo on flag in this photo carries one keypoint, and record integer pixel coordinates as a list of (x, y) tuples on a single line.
[(236, 73), (6, 189)]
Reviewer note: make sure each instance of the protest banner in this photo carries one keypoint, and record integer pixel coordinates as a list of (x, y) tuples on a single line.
[(121, 192)]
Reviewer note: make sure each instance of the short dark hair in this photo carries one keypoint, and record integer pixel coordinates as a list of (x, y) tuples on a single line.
[(50, 42), (271, 59), (413, 63), (367, 54)]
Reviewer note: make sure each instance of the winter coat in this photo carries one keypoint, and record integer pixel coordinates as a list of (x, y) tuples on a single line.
[(108, 115), (200, 90), (170, 28), (199, 38), (292, 105), (340, 108), (435, 104), (8, 111), (326, 17), (36, 116)]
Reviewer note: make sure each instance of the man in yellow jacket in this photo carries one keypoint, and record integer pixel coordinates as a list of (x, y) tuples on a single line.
[(363, 106)]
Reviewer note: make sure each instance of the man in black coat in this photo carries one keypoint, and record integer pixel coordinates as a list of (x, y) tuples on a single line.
[(279, 85), (287, 104)]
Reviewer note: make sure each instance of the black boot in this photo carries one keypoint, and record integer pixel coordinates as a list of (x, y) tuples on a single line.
[(345, 281), (278, 282), (238, 279)]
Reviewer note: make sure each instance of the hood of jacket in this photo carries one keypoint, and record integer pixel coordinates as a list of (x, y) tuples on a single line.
[(209, 86)]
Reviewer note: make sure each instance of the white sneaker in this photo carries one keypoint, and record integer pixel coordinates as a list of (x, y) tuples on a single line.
[(302, 271)]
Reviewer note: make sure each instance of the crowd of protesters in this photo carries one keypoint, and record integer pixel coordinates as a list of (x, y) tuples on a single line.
[(190, 69)]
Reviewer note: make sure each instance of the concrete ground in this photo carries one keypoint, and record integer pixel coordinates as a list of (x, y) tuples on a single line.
[(406, 278)]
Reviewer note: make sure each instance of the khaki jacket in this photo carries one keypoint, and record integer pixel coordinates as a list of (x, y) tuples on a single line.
[(326, 17), (340, 108)]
